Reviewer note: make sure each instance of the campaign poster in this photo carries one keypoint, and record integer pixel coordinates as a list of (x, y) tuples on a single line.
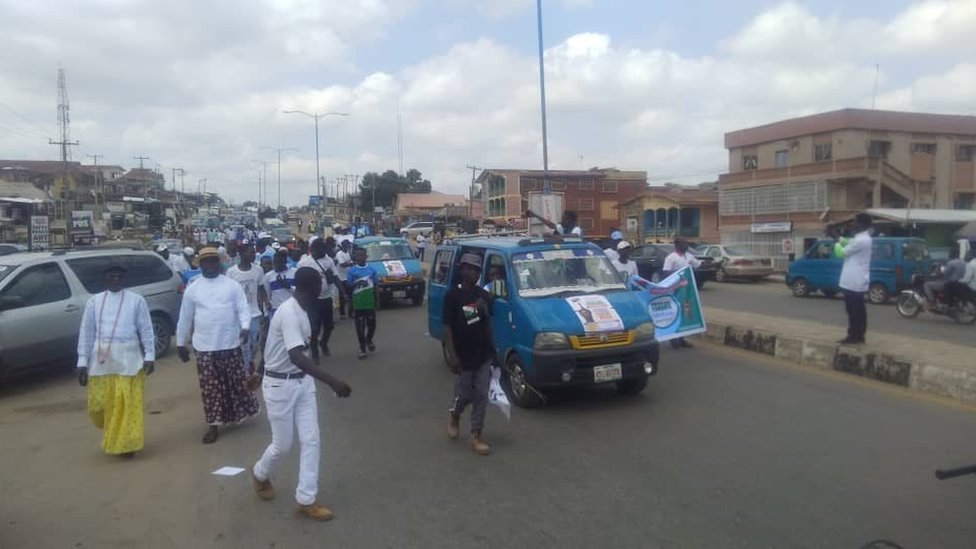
[(595, 313), (395, 269)]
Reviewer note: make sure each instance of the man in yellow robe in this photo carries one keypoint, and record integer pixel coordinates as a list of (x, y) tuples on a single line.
[(116, 351)]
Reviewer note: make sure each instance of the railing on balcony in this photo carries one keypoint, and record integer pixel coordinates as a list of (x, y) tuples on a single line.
[(852, 166)]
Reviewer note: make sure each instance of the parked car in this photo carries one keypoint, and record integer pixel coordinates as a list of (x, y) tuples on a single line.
[(893, 262), (650, 263), (737, 262), (43, 296), (400, 273), (544, 342), (411, 231), (7, 249)]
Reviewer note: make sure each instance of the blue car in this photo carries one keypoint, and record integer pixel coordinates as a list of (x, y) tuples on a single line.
[(561, 315), (893, 262), (400, 274)]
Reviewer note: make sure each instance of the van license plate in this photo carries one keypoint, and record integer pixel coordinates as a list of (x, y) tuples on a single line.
[(607, 372), (400, 293)]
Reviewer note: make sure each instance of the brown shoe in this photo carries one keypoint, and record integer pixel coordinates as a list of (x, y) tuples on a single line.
[(315, 511), (479, 446), (264, 489), (453, 426)]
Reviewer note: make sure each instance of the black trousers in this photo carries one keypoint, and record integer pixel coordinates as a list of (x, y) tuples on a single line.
[(320, 317), (365, 327), (345, 302), (857, 315)]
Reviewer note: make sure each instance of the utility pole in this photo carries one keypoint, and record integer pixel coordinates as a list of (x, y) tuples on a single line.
[(474, 170), (174, 176), (542, 99), (278, 150), (140, 159), (98, 189)]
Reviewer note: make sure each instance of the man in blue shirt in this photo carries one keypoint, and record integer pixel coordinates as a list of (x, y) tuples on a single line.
[(361, 280)]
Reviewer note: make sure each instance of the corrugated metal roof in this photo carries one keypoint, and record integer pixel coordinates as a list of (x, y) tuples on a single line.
[(917, 215)]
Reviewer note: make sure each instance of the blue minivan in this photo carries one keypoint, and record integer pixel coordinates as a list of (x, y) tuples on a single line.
[(561, 315), (400, 274), (893, 262)]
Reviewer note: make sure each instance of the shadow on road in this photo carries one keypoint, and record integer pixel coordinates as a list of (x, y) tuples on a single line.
[(37, 378)]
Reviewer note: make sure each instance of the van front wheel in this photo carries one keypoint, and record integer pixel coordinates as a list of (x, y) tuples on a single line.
[(517, 384), (800, 287)]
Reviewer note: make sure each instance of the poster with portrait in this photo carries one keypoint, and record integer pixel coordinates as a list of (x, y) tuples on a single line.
[(595, 313)]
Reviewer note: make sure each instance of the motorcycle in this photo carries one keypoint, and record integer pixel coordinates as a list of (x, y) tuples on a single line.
[(959, 304)]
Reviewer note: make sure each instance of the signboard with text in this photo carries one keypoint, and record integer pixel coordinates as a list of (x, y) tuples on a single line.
[(673, 304), (772, 227), (82, 226), (40, 233)]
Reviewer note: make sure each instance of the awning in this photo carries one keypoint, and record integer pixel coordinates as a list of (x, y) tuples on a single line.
[(20, 200), (923, 216)]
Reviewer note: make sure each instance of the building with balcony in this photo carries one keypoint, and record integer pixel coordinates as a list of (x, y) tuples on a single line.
[(787, 181), (665, 213), (593, 194)]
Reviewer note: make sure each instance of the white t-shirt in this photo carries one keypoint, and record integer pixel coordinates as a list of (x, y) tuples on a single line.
[(320, 266), (611, 254), (674, 261), (342, 256), (279, 286), (249, 281), (289, 328), (576, 230), (629, 268), (421, 241), (216, 311), (855, 275), (178, 263)]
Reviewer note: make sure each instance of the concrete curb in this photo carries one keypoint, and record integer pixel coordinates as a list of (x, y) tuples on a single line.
[(914, 374)]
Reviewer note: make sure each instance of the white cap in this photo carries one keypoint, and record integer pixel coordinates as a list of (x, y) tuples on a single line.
[(188, 251), (161, 247), (336, 226), (312, 238), (275, 245), (623, 244), (221, 250), (262, 235)]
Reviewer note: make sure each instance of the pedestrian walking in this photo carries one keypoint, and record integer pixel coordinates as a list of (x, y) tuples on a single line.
[(320, 313), (251, 279), (855, 278), (116, 351), (676, 260), (421, 246), (343, 260), (362, 279), (215, 309), (279, 282), (289, 396), (470, 350)]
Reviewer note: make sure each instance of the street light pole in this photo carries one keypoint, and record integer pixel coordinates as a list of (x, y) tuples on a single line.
[(319, 185), (542, 99), (278, 150)]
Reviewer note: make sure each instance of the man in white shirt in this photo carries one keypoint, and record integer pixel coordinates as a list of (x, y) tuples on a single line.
[(289, 395), (215, 309), (320, 312), (421, 246), (679, 259), (278, 282), (251, 279), (567, 225), (343, 261), (116, 351), (855, 278), (622, 263), (615, 239), (969, 278)]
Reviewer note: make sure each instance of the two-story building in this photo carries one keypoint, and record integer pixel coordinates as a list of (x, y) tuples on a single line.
[(593, 194), (788, 180), (661, 214)]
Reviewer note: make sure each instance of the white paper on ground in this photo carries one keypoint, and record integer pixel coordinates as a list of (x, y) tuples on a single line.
[(228, 471)]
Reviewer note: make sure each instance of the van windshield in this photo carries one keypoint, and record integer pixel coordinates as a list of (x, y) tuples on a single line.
[(547, 273), (387, 251)]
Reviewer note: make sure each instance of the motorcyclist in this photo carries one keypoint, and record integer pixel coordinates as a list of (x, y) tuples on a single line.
[(952, 273)]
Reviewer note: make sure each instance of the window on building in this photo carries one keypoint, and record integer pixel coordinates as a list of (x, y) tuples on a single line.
[(964, 201), (586, 205), (822, 152), (558, 185), (923, 148), (610, 186), (586, 223), (965, 153), (608, 210), (782, 158), (530, 185), (586, 184), (750, 162), (879, 149)]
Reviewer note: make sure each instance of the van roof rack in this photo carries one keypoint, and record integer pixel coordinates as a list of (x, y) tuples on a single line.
[(550, 239)]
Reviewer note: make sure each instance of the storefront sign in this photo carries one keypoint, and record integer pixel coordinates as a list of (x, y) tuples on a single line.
[(773, 227)]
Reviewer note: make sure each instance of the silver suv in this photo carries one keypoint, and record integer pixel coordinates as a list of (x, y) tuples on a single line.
[(43, 295), (411, 231)]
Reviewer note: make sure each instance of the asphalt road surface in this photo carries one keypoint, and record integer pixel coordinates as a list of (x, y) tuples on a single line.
[(774, 299), (722, 450)]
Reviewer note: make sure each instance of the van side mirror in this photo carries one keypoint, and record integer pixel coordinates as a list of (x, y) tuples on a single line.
[(499, 289)]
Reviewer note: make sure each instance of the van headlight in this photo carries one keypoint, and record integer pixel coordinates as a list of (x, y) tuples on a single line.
[(644, 331), (551, 340)]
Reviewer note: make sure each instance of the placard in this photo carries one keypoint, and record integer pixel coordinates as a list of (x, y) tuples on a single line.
[(40, 234), (673, 304), (395, 269), (595, 313)]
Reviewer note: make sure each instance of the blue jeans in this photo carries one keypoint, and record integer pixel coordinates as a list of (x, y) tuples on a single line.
[(248, 350)]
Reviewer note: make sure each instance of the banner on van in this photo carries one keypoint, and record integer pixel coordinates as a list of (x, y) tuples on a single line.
[(595, 313), (673, 304)]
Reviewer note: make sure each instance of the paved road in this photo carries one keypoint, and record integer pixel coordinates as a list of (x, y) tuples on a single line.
[(774, 299), (722, 450)]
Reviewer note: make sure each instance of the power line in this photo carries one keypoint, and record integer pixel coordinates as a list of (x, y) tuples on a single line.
[(46, 131)]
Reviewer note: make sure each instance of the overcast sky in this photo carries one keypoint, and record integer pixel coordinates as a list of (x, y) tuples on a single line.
[(635, 84)]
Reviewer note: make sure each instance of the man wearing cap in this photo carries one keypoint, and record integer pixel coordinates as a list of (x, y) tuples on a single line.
[(215, 309), (263, 247), (116, 350), (470, 350), (623, 264), (289, 395), (615, 239)]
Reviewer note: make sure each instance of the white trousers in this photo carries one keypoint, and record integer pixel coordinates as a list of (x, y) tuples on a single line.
[(291, 405)]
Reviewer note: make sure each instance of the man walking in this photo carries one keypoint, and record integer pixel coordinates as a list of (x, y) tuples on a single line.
[(676, 260), (470, 350), (320, 312), (362, 280), (251, 279), (289, 395), (216, 310), (279, 281), (112, 365), (855, 278), (343, 260)]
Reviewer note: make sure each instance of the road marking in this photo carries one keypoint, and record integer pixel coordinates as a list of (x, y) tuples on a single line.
[(773, 362)]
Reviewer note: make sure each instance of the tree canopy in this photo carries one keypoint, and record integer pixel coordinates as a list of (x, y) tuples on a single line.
[(388, 185)]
